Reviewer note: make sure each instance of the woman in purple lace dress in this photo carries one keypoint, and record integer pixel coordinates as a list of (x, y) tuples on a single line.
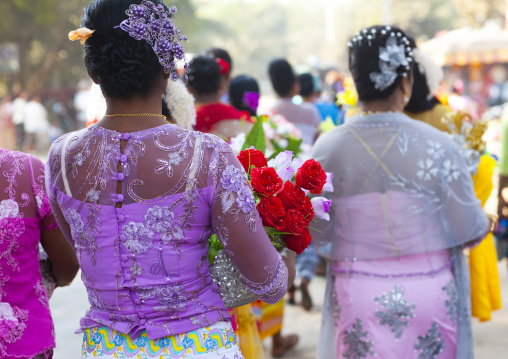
[(26, 327), (139, 198)]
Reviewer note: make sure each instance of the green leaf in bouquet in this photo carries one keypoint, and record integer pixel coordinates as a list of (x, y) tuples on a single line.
[(294, 145), (214, 245), (256, 137)]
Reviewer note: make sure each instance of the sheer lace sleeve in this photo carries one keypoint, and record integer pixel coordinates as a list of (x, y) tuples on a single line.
[(44, 212), (464, 216), (238, 226), (53, 179)]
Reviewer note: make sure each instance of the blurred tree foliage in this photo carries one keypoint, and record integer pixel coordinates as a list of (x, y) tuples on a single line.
[(254, 31), (48, 59), (40, 29), (475, 13)]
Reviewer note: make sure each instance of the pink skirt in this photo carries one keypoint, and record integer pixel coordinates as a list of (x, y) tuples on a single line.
[(396, 308)]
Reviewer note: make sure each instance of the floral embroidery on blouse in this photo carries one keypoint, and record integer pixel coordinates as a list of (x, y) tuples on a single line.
[(427, 169), (76, 223), (397, 310), (171, 297), (11, 228), (93, 195), (162, 220), (41, 294), (174, 159), (435, 150), (431, 344), (357, 340), (139, 238), (452, 304), (79, 159), (12, 325), (450, 171)]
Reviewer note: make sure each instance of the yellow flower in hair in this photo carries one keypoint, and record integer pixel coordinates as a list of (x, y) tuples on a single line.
[(82, 33)]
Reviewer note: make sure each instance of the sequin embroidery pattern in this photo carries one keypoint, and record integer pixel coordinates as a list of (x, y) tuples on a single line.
[(397, 311), (431, 344), (452, 303), (357, 340)]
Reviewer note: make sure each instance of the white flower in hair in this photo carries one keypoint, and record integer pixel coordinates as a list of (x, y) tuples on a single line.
[(382, 80), (181, 104), (393, 53)]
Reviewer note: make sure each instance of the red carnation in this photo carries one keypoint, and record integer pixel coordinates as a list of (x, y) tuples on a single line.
[(293, 196), (272, 213), (265, 181), (298, 243), (311, 176), (251, 157)]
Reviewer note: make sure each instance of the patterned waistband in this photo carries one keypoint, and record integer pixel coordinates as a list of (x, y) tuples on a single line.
[(103, 340)]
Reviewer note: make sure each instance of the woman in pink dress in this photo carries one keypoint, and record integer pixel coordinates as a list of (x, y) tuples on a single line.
[(26, 219), (402, 211)]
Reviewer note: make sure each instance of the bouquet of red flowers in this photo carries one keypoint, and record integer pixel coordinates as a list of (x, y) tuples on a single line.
[(281, 187)]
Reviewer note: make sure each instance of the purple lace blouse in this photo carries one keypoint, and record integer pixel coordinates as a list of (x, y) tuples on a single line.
[(26, 327), (139, 207)]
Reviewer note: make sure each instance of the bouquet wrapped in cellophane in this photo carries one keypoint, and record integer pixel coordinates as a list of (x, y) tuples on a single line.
[(282, 187)]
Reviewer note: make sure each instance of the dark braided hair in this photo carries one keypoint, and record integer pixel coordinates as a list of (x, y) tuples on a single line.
[(122, 65), (365, 62)]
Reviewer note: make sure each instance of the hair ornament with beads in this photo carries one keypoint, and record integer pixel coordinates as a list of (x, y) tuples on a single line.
[(153, 24), (395, 54)]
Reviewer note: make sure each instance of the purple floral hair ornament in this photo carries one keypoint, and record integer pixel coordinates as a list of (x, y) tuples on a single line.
[(153, 24), (251, 100)]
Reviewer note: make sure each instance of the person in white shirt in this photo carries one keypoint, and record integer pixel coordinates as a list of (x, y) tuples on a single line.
[(81, 102), (18, 117), (36, 125)]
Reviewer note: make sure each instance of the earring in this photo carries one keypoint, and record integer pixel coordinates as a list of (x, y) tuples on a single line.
[(406, 98)]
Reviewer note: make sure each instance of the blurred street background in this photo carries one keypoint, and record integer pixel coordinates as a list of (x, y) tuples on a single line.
[(38, 64)]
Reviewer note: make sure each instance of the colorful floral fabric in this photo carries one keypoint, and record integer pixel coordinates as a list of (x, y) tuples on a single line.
[(216, 340), (24, 212)]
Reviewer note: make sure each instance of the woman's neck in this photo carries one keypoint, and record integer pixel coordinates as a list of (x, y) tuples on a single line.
[(380, 106), (151, 105)]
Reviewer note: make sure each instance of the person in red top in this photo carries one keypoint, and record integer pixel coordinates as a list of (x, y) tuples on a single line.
[(212, 116)]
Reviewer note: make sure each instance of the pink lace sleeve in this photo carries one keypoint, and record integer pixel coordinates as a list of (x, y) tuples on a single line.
[(44, 212), (238, 226)]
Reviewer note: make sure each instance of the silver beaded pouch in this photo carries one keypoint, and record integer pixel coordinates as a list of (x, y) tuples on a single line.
[(233, 291)]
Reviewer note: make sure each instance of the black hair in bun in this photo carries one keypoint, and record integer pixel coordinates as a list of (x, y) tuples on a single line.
[(204, 75), (122, 65), (379, 57), (237, 88)]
